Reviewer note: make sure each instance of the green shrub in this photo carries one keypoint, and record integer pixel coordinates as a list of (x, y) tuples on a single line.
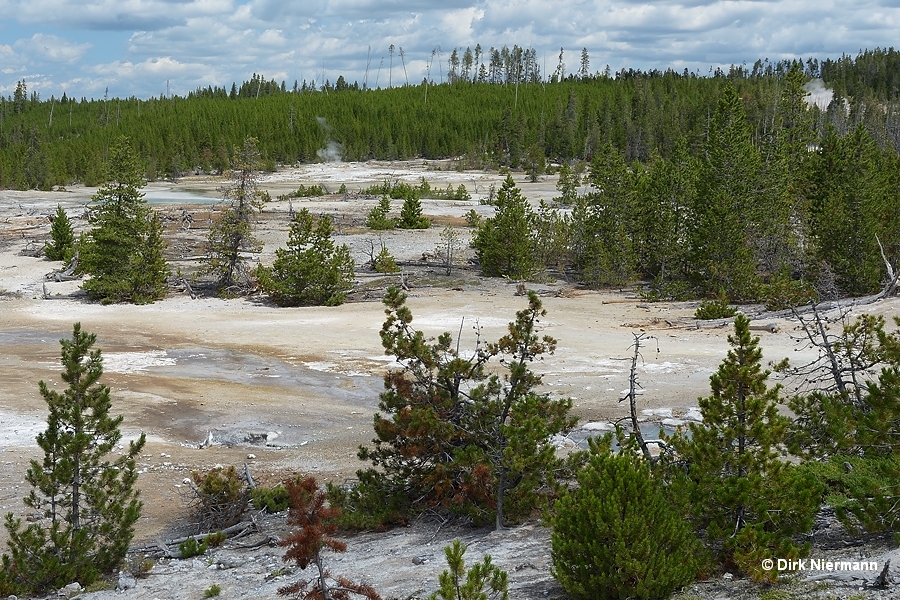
[(8, 584), (460, 584), (714, 309), (272, 500), (220, 497), (377, 218), (212, 591), (385, 262), (370, 504), (783, 292), (311, 191), (864, 491), (397, 190), (213, 540), (138, 565), (473, 219), (190, 548), (661, 289), (101, 585), (616, 536), (460, 193)]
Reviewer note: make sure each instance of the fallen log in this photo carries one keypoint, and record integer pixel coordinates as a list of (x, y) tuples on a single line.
[(162, 546), (770, 327)]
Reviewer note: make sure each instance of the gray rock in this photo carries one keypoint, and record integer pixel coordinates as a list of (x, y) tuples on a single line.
[(126, 581), (70, 591)]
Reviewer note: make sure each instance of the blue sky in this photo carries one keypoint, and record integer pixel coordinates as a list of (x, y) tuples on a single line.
[(134, 47)]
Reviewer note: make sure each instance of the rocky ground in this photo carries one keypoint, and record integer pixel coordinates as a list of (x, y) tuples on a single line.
[(292, 391)]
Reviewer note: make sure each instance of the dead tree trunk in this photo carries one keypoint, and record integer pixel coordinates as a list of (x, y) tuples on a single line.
[(632, 393)]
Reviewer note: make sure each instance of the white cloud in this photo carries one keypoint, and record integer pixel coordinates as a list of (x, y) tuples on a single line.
[(114, 15), (51, 48), (220, 41), (272, 38)]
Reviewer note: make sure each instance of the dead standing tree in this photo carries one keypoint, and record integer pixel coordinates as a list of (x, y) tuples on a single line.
[(448, 250), (230, 234), (633, 385), (845, 361), (315, 528), (832, 391)]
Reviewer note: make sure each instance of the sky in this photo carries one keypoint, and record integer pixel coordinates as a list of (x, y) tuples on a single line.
[(148, 48)]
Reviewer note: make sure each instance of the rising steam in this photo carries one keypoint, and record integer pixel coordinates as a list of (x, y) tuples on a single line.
[(819, 95), (333, 151)]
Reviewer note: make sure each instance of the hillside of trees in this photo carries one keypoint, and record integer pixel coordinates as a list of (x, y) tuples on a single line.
[(731, 186), (492, 107)]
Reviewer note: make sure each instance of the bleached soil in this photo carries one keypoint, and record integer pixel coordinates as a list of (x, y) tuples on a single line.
[(307, 379)]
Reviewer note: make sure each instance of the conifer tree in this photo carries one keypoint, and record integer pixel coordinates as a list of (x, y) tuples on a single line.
[(123, 252), (512, 424), (567, 185), (616, 536), (315, 529), (459, 583), (230, 236), (738, 489), (721, 254), (663, 202), (62, 244), (377, 218), (411, 216), (852, 202), (450, 435), (88, 503), (311, 270), (535, 162), (781, 208), (504, 243), (602, 223)]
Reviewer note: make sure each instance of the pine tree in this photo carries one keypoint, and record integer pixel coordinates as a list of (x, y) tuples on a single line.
[(62, 246), (453, 437), (315, 531), (458, 583), (377, 218), (663, 204), (781, 209), (852, 202), (567, 185), (411, 215), (721, 254), (535, 162), (738, 489), (504, 243), (88, 503), (123, 252), (311, 270), (616, 536), (602, 222), (230, 236), (513, 424)]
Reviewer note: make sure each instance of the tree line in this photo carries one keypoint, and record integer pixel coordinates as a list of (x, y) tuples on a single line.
[(796, 221), (491, 120), (793, 218)]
